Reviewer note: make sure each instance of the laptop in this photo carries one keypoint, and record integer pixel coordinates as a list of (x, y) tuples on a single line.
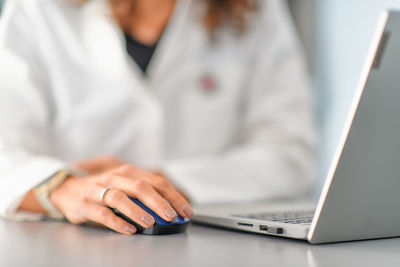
[(361, 195)]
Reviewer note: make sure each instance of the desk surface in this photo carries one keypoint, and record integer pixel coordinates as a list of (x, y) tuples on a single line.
[(61, 244)]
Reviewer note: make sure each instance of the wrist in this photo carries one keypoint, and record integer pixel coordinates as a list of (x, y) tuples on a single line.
[(44, 190)]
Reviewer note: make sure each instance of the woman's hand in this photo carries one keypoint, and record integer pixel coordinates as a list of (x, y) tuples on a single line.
[(98, 164), (79, 198)]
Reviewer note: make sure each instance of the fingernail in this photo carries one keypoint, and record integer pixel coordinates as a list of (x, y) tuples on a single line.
[(187, 210), (130, 228), (148, 219), (171, 213)]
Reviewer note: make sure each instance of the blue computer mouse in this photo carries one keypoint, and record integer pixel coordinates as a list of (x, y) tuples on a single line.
[(161, 226)]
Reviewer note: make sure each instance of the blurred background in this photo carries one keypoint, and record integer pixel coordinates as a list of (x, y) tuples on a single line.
[(336, 36)]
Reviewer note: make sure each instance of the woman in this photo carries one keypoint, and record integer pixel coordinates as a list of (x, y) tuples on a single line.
[(210, 96)]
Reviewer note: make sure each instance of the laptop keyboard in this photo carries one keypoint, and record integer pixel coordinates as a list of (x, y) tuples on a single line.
[(287, 217)]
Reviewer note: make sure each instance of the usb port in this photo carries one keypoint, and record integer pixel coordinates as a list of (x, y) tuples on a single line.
[(245, 224), (264, 228)]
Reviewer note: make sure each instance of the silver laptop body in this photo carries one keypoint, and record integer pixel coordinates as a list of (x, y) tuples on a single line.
[(361, 195)]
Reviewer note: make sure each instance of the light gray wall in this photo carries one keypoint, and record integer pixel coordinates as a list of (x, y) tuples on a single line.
[(1, 4)]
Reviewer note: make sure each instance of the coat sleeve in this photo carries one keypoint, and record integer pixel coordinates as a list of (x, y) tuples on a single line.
[(275, 155), (24, 113)]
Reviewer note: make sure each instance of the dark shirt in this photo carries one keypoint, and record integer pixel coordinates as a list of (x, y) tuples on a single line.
[(140, 53)]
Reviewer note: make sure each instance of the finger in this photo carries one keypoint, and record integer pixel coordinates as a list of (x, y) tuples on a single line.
[(117, 199), (171, 194), (142, 190), (179, 202), (103, 215), (162, 186)]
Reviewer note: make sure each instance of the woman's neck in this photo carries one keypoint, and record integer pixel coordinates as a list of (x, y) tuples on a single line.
[(147, 20)]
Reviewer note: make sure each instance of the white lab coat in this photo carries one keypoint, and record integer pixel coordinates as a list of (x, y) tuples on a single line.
[(226, 121)]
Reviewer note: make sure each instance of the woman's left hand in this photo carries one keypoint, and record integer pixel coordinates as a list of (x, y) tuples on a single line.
[(98, 164)]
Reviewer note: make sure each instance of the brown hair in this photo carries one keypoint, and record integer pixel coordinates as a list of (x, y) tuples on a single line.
[(218, 13)]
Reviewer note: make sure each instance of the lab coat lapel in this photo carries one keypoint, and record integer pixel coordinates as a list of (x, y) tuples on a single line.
[(168, 49), (105, 46)]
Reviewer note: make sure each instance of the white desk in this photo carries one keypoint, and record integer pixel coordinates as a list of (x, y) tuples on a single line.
[(61, 244)]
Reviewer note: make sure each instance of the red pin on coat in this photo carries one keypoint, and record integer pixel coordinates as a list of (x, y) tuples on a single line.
[(208, 83)]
